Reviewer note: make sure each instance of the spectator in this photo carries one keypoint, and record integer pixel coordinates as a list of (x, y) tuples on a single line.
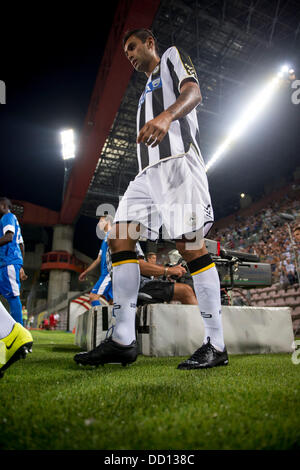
[(166, 289), (31, 321), (57, 318), (52, 322), (25, 316), (265, 234), (151, 257)]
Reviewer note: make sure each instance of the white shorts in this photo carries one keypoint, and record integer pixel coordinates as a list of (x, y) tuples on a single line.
[(173, 194)]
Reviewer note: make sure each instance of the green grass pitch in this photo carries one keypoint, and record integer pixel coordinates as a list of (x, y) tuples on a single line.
[(50, 403)]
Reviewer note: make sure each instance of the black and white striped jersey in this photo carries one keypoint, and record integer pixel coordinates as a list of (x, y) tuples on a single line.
[(161, 91)]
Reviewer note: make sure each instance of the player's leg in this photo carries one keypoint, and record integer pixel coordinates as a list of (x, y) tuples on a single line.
[(106, 295), (101, 290), (136, 216), (94, 295), (166, 291), (15, 308), (187, 212), (94, 299), (15, 340), (10, 289), (160, 290), (6, 322), (109, 293), (184, 293), (125, 281), (121, 346), (207, 287)]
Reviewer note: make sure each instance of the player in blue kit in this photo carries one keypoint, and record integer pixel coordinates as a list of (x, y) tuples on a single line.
[(15, 340), (11, 259), (103, 287)]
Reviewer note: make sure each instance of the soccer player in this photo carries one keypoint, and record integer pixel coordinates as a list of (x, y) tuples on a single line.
[(15, 340), (103, 287), (11, 259), (171, 189)]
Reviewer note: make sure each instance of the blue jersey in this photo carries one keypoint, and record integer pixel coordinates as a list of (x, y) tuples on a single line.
[(102, 253), (11, 252)]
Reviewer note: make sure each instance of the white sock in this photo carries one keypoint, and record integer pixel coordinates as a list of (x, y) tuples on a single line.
[(125, 284), (6, 322), (207, 289)]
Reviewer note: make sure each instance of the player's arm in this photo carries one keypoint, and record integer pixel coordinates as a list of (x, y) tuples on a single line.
[(90, 268), (7, 238), (155, 130), (189, 98), (149, 269), (23, 275), (22, 248)]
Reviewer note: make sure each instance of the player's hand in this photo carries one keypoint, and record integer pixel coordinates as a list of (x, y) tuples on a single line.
[(176, 271), (81, 276), (153, 132), (23, 275)]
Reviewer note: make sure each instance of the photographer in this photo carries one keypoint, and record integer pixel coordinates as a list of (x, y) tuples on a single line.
[(166, 289)]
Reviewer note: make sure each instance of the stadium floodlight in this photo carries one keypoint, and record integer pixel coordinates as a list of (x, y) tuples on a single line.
[(285, 71), (250, 113), (285, 68), (68, 145)]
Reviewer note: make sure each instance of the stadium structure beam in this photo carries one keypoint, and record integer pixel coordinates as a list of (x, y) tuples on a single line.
[(32, 214), (228, 43), (111, 83), (275, 19)]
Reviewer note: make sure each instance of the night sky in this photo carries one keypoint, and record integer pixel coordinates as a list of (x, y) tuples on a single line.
[(49, 62)]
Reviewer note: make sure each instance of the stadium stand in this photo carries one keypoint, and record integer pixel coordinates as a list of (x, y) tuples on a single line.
[(259, 229)]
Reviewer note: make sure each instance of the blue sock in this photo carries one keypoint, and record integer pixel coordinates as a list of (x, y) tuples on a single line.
[(95, 302), (16, 309)]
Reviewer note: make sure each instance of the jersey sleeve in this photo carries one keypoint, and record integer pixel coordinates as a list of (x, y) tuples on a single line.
[(182, 65), (8, 222)]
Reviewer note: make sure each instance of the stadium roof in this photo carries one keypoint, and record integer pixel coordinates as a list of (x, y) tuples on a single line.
[(229, 42)]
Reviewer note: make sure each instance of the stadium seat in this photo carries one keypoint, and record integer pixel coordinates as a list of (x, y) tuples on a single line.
[(296, 310), (294, 303)]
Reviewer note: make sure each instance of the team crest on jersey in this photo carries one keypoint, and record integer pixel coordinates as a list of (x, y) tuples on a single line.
[(151, 86)]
